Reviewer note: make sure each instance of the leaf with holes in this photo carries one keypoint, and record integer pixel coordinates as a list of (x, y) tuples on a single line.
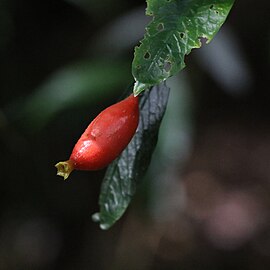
[(125, 173), (176, 28)]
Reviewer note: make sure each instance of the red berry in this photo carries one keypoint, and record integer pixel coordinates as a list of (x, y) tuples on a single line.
[(104, 139)]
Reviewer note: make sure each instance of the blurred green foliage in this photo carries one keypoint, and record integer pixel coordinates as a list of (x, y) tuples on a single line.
[(76, 85)]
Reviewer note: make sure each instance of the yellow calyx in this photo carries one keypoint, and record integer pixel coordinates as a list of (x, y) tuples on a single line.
[(64, 168)]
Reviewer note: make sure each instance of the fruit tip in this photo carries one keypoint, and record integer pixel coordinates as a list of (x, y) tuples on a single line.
[(64, 168)]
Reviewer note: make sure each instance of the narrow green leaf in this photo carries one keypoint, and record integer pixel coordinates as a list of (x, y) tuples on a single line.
[(74, 85), (176, 28), (123, 175)]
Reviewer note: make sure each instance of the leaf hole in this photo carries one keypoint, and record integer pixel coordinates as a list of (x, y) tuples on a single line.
[(167, 66), (182, 35), (147, 56), (160, 27), (203, 40), (138, 67), (217, 12), (212, 6)]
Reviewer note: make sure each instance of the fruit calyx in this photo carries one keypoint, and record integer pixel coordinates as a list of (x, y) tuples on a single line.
[(64, 168)]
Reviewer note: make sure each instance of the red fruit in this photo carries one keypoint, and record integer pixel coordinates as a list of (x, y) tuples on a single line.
[(104, 139)]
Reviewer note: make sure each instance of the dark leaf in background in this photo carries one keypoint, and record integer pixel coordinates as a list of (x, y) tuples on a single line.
[(126, 172)]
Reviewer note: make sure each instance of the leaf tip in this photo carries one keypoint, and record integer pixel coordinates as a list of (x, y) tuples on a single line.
[(96, 217), (104, 226)]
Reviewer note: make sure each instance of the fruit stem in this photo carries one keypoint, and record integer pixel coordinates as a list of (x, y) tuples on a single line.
[(64, 168)]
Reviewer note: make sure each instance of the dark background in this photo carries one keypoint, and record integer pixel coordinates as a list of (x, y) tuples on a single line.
[(205, 201)]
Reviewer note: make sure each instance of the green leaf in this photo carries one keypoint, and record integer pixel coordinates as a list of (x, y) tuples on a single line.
[(123, 175), (72, 86), (176, 28)]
